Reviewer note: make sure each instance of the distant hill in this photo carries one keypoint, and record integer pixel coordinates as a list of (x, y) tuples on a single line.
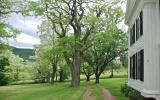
[(23, 52)]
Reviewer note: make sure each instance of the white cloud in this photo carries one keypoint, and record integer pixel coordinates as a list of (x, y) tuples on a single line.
[(19, 44), (28, 27), (24, 38)]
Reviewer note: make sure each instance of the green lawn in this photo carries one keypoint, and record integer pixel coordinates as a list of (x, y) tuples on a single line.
[(60, 91)]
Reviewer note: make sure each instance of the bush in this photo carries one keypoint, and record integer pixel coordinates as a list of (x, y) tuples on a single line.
[(134, 95), (3, 79), (130, 92), (125, 89), (63, 75)]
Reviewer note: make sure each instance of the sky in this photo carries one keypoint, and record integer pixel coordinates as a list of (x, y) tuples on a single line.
[(28, 27)]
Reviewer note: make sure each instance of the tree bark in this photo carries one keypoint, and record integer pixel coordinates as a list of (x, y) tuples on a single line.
[(61, 75), (97, 79), (17, 74), (56, 76), (97, 75), (76, 25), (88, 78), (76, 67), (71, 64), (43, 80), (112, 73), (54, 69), (48, 78)]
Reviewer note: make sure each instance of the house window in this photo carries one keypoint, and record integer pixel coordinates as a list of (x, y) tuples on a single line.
[(131, 68), (132, 35), (134, 68), (137, 66), (142, 65), (141, 23), (137, 28)]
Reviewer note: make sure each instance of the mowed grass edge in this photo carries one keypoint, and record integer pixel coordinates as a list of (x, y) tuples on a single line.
[(61, 91)]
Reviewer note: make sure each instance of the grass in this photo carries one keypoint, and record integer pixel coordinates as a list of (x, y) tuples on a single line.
[(114, 86), (61, 91)]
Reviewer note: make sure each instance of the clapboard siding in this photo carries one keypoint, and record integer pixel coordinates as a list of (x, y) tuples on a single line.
[(149, 41)]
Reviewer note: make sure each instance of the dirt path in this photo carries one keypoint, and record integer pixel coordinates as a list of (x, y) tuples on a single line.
[(88, 95), (107, 95)]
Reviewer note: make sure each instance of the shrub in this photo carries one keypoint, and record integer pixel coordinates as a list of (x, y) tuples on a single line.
[(134, 95), (130, 92), (125, 89), (3, 79)]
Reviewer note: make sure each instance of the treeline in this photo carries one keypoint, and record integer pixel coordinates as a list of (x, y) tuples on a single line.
[(23, 52)]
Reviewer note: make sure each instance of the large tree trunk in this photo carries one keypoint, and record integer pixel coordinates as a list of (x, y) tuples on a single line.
[(112, 73), (76, 67), (71, 64), (17, 74), (56, 76), (88, 78), (61, 75), (76, 25), (43, 80), (97, 75), (54, 69), (77, 55), (48, 77), (97, 79)]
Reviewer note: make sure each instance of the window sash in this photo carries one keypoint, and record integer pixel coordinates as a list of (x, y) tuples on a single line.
[(137, 29), (141, 23), (142, 65), (137, 66)]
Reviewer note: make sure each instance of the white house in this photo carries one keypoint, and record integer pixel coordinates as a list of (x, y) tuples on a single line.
[(143, 20)]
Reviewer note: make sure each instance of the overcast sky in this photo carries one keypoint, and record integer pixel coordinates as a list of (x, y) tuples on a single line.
[(28, 26)]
